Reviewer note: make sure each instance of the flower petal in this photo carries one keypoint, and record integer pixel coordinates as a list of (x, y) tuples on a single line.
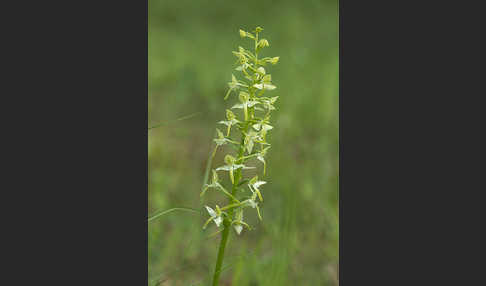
[(258, 184), (223, 168), (218, 220), (239, 105), (238, 228), (211, 212), (266, 86)]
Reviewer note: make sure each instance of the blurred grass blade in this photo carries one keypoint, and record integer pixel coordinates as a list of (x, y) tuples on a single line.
[(206, 172), (214, 234), (171, 210), (178, 119)]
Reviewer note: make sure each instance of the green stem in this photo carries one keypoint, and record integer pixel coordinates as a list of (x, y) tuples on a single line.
[(229, 207), (222, 246), (227, 223), (246, 157)]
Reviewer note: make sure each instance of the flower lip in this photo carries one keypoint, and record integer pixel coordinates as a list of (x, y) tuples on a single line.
[(238, 228)]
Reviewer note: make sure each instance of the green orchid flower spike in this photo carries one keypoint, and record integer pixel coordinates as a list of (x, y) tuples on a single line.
[(251, 83)]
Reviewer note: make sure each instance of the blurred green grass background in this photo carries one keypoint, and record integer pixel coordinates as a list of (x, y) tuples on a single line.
[(190, 63)]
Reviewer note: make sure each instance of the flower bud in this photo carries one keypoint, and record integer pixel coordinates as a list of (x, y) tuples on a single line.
[(243, 97), (215, 177), (242, 33), (230, 115), (229, 160), (274, 60), (220, 134), (263, 43)]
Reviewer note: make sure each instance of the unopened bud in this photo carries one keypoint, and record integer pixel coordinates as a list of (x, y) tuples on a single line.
[(274, 60), (263, 43)]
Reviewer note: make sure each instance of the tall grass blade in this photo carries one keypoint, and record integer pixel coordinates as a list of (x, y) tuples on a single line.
[(171, 210), (178, 119)]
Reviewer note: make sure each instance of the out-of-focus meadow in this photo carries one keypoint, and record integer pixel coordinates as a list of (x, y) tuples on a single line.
[(190, 63)]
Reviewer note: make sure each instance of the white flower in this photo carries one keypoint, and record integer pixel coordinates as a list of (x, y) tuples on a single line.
[(262, 125), (221, 140), (214, 183), (214, 216), (254, 184), (251, 203), (249, 103), (231, 166), (266, 86), (266, 83), (231, 120), (238, 222), (261, 158), (245, 103), (234, 84), (250, 138), (261, 72), (244, 66), (257, 184), (268, 102), (238, 228)]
